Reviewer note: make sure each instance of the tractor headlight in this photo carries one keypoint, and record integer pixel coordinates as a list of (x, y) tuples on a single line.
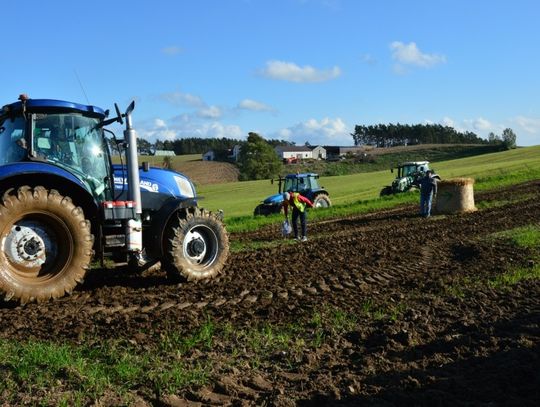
[(185, 187)]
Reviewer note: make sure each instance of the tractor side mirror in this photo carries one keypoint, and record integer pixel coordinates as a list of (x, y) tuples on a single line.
[(145, 166)]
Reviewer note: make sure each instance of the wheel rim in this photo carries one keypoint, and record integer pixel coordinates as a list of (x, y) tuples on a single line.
[(321, 203), (31, 247), (200, 246)]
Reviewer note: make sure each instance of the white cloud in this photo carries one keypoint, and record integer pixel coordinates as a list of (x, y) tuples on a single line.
[(410, 55), (186, 126), (210, 112), (369, 59), (289, 71), (527, 129), (326, 131), (446, 121), (182, 99), (172, 50), (160, 123), (479, 126), (528, 124), (249, 104), (482, 124)]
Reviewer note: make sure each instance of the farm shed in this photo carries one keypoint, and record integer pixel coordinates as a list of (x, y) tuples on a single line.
[(318, 152), (298, 152)]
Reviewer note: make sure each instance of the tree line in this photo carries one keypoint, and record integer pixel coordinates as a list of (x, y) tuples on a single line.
[(392, 135), (195, 145)]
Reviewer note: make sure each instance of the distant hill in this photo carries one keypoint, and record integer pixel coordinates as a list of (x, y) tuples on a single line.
[(207, 172), (374, 159), (377, 159)]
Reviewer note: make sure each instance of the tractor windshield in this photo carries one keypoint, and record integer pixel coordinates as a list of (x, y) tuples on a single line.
[(75, 143), (408, 170), (300, 184)]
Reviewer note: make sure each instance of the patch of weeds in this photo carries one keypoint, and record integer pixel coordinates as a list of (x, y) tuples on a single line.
[(526, 236), (515, 276), (392, 312), (396, 311), (175, 375), (455, 291), (342, 321)]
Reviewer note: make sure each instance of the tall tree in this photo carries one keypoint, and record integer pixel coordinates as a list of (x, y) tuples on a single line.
[(257, 159), (509, 138)]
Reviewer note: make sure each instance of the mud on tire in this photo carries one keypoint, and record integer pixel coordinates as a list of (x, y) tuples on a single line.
[(46, 244), (197, 246)]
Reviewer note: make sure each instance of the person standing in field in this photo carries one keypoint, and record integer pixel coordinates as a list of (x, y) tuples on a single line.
[(298, 203), (428, 189)]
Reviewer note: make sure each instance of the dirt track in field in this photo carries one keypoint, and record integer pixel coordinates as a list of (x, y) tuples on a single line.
[(451, 344)]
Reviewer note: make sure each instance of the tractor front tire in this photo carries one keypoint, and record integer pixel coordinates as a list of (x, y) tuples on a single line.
[(46, 244), (260, 210), (322, 201), (198, 245), (386, 191)]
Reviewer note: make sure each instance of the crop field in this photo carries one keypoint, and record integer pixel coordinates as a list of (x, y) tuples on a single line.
[(379, 307), (240, 198)]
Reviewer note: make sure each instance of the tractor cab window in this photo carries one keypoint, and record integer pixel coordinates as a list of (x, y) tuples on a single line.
[(12, 139), (313, 183), (73, 142)]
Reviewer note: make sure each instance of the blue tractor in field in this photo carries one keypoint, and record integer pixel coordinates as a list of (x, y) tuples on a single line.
[(63, 203), (307, 184)]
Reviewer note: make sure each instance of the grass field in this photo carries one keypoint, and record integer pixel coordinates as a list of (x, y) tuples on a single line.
[(489, 170)]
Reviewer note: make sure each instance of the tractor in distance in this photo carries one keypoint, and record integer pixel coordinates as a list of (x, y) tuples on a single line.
[(307, 184), (63, 204), (408, 177)]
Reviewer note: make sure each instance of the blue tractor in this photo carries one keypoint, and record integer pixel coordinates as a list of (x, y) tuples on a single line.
[(307, 184), (64, 204)]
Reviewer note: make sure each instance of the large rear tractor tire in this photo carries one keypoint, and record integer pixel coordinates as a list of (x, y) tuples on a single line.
[(198, 246), (322, 201), (45, 244)]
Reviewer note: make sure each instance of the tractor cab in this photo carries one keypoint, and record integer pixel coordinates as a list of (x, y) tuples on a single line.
[(66, 135), (412, 168), (300, 183)]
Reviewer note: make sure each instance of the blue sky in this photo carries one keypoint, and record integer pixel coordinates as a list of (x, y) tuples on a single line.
[(300, 70)]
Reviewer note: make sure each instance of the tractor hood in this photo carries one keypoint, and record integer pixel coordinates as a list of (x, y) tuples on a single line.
[(276, 199), (157, 181)]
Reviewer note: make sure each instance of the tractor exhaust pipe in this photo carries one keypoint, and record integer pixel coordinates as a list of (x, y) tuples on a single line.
[(134, 226), (134, 190)]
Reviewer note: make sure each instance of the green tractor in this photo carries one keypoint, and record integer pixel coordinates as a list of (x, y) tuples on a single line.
[(408, 177), (307, 184)]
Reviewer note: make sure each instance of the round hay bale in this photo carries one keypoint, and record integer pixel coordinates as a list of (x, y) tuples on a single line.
[(455, 196)]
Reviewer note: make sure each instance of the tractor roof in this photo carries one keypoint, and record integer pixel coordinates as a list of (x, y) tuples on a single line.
[(302, 175), (55, 105), (414, 163)]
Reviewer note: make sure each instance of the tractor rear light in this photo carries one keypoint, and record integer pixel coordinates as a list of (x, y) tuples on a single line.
[(118, 210)]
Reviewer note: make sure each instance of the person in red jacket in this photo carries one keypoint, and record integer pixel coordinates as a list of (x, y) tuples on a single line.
[(298, 204)]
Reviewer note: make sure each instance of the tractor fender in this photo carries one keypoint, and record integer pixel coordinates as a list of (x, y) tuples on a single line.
[(154, 234), (49, 176)]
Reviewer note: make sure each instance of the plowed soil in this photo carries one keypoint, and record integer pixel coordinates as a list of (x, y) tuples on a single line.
[(454, 339)]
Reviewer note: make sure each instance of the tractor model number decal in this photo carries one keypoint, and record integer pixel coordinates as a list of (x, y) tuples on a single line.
[(146, 185)]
